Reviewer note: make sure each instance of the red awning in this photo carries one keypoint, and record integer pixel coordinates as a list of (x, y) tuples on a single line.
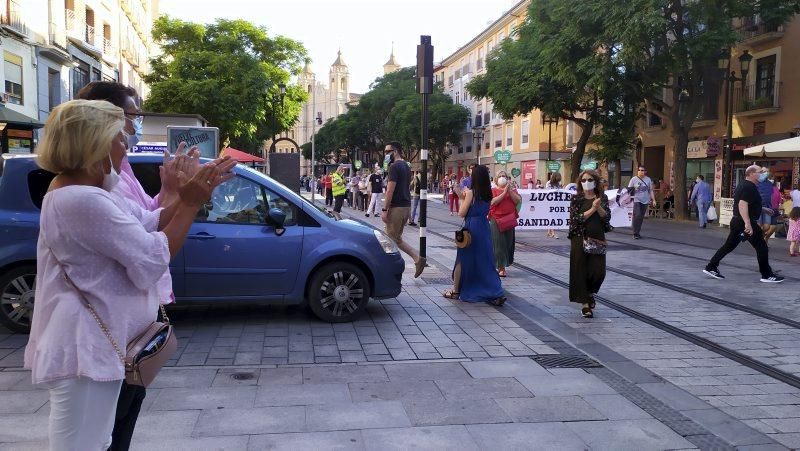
[(241, 157)]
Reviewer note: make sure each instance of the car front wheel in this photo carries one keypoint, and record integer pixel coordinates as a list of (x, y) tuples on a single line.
[(338, 292), (16, 298)]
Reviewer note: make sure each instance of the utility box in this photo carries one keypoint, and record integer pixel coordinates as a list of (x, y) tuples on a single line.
[(284, 168)]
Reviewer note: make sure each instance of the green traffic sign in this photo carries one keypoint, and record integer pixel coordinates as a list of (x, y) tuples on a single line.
[(591, 165), (553, 166), (358, 164), (502, 156), (515, 172)]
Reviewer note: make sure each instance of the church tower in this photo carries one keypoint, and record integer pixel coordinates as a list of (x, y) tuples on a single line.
[(391, 65), (339, 88)]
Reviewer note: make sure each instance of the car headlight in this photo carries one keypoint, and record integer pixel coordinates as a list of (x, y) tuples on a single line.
[(386, 243)]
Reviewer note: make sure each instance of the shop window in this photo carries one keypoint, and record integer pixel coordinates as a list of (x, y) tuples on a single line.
[(13, 69)]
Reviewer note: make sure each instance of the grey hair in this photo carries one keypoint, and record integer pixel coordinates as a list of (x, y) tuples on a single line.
[(752, 169)]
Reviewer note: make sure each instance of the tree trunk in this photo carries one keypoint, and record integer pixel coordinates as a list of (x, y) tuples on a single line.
[(680, 136), (580, 150)]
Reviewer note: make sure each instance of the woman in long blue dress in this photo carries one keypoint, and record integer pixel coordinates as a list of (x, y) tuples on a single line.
[(474, 276)]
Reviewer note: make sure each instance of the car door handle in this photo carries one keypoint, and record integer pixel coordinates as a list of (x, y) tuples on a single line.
[(201, 236)]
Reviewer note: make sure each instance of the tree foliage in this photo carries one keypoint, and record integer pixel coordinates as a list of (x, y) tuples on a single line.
[(392, 110), (673, 46), (227, 72)]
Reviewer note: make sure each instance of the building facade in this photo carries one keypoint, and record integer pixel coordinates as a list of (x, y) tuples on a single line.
[(53, 48), (766, 108), (531, 141)]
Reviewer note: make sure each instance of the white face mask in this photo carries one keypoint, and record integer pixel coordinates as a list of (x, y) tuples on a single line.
[(698, 180), (502, 181), (588, 186), (111, 179)]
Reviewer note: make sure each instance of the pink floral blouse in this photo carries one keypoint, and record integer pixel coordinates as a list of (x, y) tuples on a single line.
[(114, 255)]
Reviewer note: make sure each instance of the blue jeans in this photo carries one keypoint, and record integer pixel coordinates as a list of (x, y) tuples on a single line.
[(415, 204), (702, 212)]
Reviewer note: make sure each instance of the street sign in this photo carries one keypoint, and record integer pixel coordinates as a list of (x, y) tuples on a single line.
[(553, 166), (502, 156), (591, 165), (358, 164), (515, 172), (205, 138)]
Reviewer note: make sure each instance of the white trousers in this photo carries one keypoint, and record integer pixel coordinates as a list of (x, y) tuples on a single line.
[(375, 202), (82, 414)]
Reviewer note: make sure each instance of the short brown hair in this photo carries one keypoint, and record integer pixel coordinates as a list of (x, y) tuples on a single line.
[(110, 91)]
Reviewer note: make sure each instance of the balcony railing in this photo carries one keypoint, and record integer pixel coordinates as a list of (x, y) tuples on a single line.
[(89, 34), (11, 17), (751, 31), (108, 47), (754, 98), (74, 27)]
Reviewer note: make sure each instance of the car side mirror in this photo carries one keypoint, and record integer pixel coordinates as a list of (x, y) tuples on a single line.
[(278, 219)]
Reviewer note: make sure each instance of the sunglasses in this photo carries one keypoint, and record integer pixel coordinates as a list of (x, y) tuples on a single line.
[(587, 180)]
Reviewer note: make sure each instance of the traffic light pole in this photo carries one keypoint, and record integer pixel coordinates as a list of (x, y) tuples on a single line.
[(424, 87)]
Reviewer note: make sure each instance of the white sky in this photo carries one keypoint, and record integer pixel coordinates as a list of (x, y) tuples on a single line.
[(364, 29)]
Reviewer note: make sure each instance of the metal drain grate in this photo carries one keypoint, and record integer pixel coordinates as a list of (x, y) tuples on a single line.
[(565, 361), (243, 376), (438, 280)]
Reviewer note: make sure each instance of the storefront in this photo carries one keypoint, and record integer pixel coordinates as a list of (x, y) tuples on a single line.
[(782, 169), (16, 132), (700, 156)]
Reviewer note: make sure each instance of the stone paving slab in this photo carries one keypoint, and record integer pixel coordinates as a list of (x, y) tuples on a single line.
[(619, 435), (519, 436), (337, 440), (454, 438)]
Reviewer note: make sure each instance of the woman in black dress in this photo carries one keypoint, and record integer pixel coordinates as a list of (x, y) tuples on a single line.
[(590, 219)]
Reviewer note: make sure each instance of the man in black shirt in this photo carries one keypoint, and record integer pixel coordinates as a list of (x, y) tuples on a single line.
[(376, 190), (747, 208), (397, 206)]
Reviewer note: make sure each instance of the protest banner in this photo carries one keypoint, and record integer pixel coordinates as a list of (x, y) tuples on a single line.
[(549, 209)]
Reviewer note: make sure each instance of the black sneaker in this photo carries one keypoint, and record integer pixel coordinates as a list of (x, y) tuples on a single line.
[(367, 215), (637, 237), (773, 279), (714, 273)]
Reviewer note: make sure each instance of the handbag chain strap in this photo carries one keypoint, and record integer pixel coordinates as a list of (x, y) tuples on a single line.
[(94, 314)]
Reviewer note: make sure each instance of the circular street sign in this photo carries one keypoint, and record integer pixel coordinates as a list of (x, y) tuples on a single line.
[(553, 166), (515, 172)]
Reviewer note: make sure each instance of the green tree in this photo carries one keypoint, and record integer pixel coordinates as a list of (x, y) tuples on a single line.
[(226, 72), (673, 46), (556, 63)]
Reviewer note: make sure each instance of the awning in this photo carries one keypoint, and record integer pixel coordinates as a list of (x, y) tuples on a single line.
[(241, 157), (11, 117), (784, 148)]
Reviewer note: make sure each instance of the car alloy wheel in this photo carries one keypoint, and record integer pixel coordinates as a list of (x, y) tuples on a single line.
[(17, 299), (339, 292)]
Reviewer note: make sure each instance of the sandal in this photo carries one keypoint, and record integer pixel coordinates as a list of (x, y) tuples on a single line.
[(452, 294), (498, 302), (502, 273)]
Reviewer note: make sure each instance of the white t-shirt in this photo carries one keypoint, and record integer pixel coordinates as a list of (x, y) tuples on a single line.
[(795, 198)]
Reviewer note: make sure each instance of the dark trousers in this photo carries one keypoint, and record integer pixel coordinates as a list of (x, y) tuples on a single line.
[(756, 240), (128, 405), (639, 211), (328, 196)]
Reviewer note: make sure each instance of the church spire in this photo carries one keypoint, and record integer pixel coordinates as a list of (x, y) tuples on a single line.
[(391, 65)]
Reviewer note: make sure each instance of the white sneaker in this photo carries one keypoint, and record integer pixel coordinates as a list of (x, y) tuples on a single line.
[(715, 273)]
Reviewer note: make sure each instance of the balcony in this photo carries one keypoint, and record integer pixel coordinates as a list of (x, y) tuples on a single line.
[(754, 33), (89, 34), (109, 48), (74, 26), (11, 17), (751, 101)]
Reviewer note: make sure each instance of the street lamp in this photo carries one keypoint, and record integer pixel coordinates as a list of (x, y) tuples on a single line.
[(277, 99), (549, 121), (724, 64), (477, 136)]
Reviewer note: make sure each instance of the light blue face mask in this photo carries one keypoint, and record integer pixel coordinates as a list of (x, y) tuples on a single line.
[(137, 133), (763, 176)]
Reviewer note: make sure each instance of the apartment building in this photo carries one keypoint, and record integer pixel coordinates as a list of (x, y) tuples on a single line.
[(531, 140), (53, 48), (766, 108)]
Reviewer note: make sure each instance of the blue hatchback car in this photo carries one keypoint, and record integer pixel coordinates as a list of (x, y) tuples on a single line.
[(254, 241)]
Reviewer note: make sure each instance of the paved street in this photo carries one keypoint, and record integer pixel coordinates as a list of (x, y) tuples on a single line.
[(423, 371)]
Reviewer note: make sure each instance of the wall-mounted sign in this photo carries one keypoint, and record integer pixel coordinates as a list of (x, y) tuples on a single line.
[(515, 172), (697, 149), (149, 147), (502, 156), (553, 166), (714, 146), (205, 138)]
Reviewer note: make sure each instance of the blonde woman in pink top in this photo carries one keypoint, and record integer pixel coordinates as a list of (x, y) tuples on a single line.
[(110, 255)]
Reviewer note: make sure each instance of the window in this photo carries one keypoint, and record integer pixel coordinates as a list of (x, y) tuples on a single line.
[(498, 137), (80, 78), (458, 97), (237, 201), (765, 79), (526, 129), (13, 68), (54, 87), (469, 149), (487, 145), (509, 134), (570, 133), (289, 209), (460, 149), (344, 85)]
